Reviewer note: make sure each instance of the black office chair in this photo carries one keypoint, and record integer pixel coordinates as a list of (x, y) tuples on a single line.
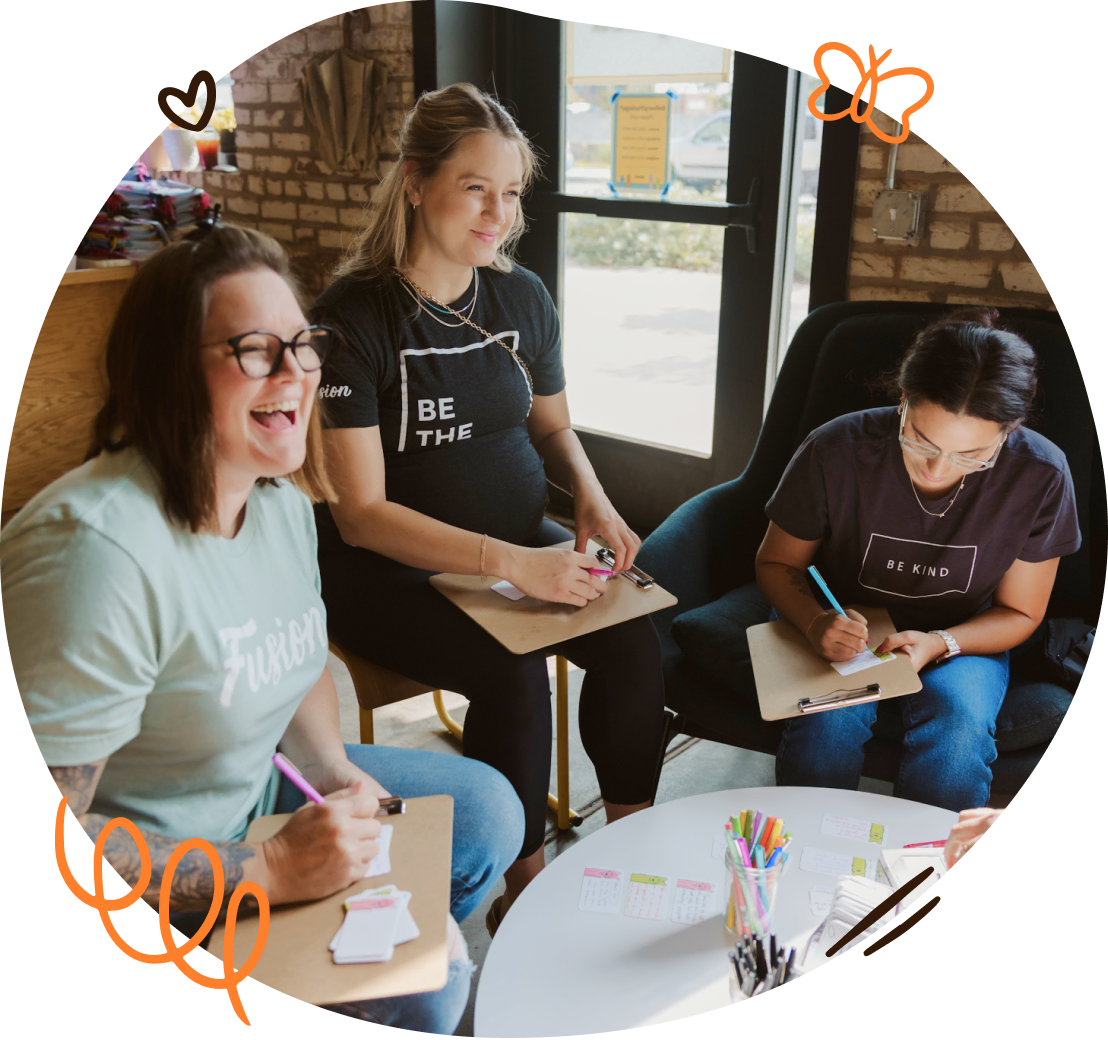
[(705, 549)]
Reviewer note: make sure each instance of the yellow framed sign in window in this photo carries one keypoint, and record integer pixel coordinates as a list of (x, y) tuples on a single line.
[(640, 141)]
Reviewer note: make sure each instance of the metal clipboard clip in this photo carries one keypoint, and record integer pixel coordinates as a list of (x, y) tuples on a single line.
[(632, 574), (839, 699)]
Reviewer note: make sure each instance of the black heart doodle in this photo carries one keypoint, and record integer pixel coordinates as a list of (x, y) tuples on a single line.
[(171, 100)]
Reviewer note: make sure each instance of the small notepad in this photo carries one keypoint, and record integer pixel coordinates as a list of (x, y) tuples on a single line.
[(860, 662), (507, 590)]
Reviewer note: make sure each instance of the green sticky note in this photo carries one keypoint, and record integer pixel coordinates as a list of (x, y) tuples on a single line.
[(858, 868), (877, 833), (651, 879)]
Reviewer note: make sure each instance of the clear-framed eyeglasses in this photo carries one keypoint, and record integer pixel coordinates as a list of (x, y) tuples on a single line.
[(260, 354), (929, 451)]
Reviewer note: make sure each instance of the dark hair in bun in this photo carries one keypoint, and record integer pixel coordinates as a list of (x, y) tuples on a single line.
[(967, 365)]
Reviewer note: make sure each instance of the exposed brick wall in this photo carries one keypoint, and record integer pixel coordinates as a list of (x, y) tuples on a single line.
[(280, 187), (966, 254)]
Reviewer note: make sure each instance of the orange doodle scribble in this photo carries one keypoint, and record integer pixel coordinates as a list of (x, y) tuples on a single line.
[(981, 101), (113, 978)]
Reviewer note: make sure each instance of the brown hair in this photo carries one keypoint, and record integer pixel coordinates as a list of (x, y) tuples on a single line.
[(157, 397), (432, 131)]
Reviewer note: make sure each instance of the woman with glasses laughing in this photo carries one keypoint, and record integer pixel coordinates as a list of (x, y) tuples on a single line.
[(951, 514), (166, 627)]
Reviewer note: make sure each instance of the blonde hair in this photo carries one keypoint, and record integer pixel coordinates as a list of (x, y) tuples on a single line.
[(432, 131)]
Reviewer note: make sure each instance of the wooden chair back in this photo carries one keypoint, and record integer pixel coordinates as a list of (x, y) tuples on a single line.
[(65, 385)]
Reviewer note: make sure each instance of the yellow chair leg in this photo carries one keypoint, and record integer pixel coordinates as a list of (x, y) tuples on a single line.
[(365, 719), (446, 720), (561, 666), (559, 804)]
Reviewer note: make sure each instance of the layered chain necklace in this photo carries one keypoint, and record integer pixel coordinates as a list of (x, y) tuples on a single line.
[(422, 297), (961, 485)]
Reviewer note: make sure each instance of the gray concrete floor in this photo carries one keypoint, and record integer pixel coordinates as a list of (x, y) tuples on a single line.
[(692, 767)]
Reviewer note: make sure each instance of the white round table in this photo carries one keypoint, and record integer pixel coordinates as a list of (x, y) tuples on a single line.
[(554, 970)]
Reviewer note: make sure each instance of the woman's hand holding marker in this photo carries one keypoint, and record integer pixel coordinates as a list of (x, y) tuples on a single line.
[(838, 637)]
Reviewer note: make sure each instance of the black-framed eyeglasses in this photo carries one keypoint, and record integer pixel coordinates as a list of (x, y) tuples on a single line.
[(260, 354)]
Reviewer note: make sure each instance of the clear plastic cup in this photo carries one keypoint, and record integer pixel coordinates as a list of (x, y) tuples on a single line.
[(751, 896)]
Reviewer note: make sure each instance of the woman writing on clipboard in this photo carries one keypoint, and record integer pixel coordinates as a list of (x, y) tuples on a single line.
[(447, 414), (949, 513)]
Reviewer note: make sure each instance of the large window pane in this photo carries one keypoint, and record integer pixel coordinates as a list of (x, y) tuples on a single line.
[(699, 139), (641, 323), (802, 227)]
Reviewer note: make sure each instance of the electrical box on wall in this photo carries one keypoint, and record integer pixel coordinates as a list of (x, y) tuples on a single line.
[(899, 214)]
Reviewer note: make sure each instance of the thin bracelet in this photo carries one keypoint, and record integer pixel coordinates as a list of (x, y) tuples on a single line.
[(484, 543), (811, 623)]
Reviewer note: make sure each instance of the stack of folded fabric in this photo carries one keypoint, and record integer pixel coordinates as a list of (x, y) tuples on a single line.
[(140, 215)]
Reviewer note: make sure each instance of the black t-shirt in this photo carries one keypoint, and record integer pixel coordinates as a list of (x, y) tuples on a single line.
[(451, 405), (847, 485)]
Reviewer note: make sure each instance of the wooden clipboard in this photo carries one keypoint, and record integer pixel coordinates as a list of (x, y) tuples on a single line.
[(531, 624), (296, 960), (786, 669)]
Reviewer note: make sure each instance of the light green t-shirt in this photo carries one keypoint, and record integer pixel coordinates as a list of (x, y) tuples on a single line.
[(180, 657)]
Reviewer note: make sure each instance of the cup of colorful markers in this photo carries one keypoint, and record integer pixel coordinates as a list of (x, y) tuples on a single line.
[(755, 851)]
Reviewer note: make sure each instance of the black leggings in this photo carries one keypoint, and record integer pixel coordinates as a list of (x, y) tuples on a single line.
[(391, 615)]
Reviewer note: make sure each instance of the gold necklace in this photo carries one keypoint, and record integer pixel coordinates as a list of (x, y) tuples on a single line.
[(458, 314), (431, 314), (948, 505)]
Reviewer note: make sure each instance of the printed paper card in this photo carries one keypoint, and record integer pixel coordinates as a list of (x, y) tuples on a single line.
[(406, 929), (645, 896), (507, 590), (852, 829), (819, 900), (860, 662), (600, 890), (693, 901), (837, 864), (367, 931), (380, 864)]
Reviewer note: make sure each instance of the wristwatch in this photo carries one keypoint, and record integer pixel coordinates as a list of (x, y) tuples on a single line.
[(952, 648)]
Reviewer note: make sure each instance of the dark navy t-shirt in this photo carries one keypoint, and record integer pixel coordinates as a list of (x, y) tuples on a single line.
[(451, 404), (847, 485)]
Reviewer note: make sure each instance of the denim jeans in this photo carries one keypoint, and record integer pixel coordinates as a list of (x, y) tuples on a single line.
[(949, 743), (487, 835)]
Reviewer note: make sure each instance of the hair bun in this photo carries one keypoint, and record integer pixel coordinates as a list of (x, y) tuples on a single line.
[(984, 316)]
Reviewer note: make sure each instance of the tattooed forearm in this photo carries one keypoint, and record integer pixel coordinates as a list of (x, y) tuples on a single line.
[(799, 581), (193, 883)]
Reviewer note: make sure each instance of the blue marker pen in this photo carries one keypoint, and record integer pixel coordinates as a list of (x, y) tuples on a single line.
[(826, 591)]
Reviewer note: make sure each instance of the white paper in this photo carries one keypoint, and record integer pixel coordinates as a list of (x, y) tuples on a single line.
[(380, 864), (508, 590), (693, 901), (600, 890), (366, 936), (836, 864), (852, 829), (406, 929), (645, 896), (860, 662), (819, 900)]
